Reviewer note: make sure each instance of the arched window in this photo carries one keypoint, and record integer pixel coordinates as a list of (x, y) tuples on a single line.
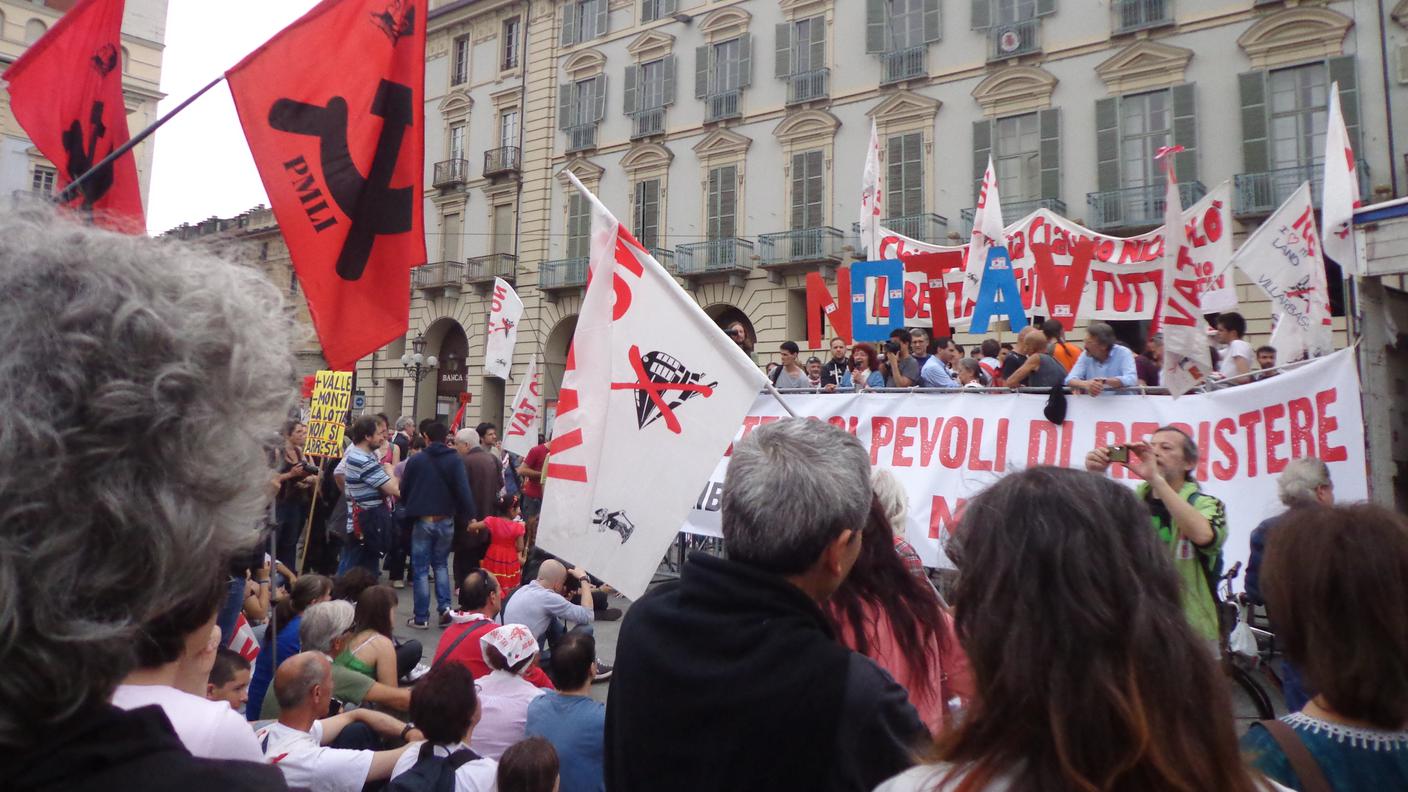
[(126, 61), (33, 29)]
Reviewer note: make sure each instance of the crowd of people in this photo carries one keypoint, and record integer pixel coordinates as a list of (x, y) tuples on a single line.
[(1078, 649)]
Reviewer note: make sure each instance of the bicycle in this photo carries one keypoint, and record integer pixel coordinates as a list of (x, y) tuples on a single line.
[(1250, 701)]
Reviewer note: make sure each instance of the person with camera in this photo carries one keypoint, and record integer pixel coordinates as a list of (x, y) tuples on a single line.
[(296, 477), (1190, 523), (900, 368)]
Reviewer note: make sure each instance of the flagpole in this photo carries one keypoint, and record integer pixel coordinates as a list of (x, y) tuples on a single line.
[(777, 395), (67, 192)]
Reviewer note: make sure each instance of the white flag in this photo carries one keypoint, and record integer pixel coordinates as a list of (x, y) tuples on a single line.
[(1283, 257), (1186, 357), (505, 309), (1340, 193), (987, 234), (872, 196), (653, 394), (522, 428)]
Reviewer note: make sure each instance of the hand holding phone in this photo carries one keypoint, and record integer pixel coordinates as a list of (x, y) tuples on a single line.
[(1119, 453)]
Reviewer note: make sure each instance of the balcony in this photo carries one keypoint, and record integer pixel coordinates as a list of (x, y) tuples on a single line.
[(502, 160), (438, 276), (563, 275), (722, 106), (645, 123), (803, 249), (1132, 15), (905, 64), (1259, 194), (730, 257), (581, 138), (450, 173), (1014, 39), (665, 256), (1014, 211), (930, 228), (808, 86), (1137, 207), (481, 270)]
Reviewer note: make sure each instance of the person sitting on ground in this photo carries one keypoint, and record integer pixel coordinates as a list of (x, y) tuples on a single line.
[(569, 718), (307, 591), (865, 368), (747, 633), (229, 679), (1104, 364), (1069, 612), (507, 550), (1237, 354), (1064, 351), (350, 584), (1036, 369), (317, 752), (140, 380), (1266, 361), (529, 766), (445, 708), (1336, 585), (543, 607), (970, 373), (504, 694), (790, 374), (481, 598), (372, 649)]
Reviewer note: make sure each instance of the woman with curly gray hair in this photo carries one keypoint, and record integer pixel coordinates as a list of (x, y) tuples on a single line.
[(138, 382)]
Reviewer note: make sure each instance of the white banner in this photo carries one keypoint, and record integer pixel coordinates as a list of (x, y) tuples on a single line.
[(522, 428), (505, 309), (947, 447), (1339, 190)]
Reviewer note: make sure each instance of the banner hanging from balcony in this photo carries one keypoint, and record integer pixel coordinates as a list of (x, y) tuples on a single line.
[(505, 309)]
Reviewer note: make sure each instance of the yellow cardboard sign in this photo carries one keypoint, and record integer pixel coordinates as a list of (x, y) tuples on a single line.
[(332, 396)]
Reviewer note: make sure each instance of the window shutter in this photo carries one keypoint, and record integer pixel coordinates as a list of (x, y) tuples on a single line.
[(799, 191), (982, 150), (599, 97), (1255, 154), (667, 67), (668, 8), (1185, 132), (933, 21), (728, 202), (1107, 144), (566, 101), (1050, 124), (982, 16), (817, 54), (745, 60), (783, 65), (570, 13), (1044, 7), (877, 32), (1342, 71), (629, 102), (701, 71), (599, 12)]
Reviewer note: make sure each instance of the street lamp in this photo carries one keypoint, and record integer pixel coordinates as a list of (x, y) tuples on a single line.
[(417, 365)]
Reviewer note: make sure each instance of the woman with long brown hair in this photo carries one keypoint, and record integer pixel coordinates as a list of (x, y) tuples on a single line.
[(1087, 674)]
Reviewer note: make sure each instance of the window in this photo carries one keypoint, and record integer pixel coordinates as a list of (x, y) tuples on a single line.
[(721, 71), (724, 76), (906, 23), (504, 221), (585, 93), (583, 20), (904, 178), (808, 45), (457, 142), (652, 84), (722, 203), (896, 25), (263, 251), (1016, 155), (581, 105), (579, 226), (33, 29), (292, 282), (1145, 127), (646, 213), (509, 46), (42, 180), (1009, 11), (651, 10), (459, 63), (650, 87), (1298, 99), (508, 128), (451, 238), (808, 186)]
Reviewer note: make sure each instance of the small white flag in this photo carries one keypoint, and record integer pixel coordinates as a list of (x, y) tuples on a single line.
[(1186, 357), (872, 195), (521, 429), (987, 234), (1340, 195), (505, 309)]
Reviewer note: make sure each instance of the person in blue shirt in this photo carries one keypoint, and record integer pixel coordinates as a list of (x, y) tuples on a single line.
[(308, 591), (569, 718), (1103, 364)]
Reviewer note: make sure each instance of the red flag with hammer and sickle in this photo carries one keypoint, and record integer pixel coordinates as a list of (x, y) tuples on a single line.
[(333, 110), (66, 91)]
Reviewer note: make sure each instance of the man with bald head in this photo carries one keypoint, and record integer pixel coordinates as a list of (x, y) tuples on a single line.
[(299, 743), (1036, 369), (542, 606)]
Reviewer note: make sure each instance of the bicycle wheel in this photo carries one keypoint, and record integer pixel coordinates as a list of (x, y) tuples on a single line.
[(1249, 701)]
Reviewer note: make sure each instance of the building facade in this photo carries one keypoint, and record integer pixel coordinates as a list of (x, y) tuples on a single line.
[(730, 136), (23, 170)]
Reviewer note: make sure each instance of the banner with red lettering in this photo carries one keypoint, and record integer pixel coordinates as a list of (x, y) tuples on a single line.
[(505, 311), (521, 429), (946, 447)]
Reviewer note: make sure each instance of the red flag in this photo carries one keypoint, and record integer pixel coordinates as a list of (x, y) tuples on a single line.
[(332, 108), (66, 91)]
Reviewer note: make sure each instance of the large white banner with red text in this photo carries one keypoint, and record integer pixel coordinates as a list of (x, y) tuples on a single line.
[(946, 447)]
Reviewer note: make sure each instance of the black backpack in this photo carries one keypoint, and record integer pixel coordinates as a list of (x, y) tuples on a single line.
[(432, 773)]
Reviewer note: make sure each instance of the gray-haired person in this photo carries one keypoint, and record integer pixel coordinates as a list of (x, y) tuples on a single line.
[(139, 380), (736, 659)]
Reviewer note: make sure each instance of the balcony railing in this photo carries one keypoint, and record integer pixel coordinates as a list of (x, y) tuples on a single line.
[(804, 246), (931, 228), (808, 86), (450, 173), (505, 159), (1259, 194), (724, 105), (1014, 211), (438, 275), (645, 123), (563, 274), (666, 257), (1133, 207), (905, 64), (1013, 39), (495, 265), (581, 138), (730, 254), (1132, 15)]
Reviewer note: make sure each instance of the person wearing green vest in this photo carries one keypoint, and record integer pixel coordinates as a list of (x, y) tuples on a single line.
[(1190, 523)]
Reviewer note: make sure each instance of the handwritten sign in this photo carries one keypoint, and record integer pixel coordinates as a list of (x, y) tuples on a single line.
[(332, 395)]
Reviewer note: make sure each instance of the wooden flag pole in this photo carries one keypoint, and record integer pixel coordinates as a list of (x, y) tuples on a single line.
[(308, 524)]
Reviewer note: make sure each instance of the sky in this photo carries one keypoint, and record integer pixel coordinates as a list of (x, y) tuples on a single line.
[(201, 165)]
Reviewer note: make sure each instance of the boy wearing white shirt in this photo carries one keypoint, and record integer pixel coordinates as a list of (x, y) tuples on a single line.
[(1237, 357)]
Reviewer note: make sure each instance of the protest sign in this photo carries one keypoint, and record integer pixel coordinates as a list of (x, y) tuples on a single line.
[(522, 428), (332, 395), (946, 447)]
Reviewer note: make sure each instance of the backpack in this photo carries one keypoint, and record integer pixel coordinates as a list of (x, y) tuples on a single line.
[(432, 773), (1212, 571)]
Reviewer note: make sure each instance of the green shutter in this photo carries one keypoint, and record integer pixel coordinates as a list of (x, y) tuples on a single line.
[(982, 152), (1044, 7), (1050, 123), (667, 8), (782, 67), (817, 50), (1185, 132), (569, 24), (566, 100), (1255, 153), (701, 71), (1342, 71), (668, 67), (599, 97), (933, 21), (982, 17), (1107, 144), (877, 32), (745, 60), (600, 19), (629, 102), (799, 192)]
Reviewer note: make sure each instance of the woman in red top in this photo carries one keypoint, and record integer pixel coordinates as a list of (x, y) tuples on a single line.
[(507, 550)]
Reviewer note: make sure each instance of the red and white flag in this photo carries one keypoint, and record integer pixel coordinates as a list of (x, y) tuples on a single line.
[(872, 196), (244, 640), (521, 429), (653, 394), (1340, 196), (505, 310), (987, 233), (1284, 258), (1186, 357)]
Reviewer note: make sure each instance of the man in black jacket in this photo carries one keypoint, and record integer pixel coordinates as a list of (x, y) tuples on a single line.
[(731, 677), (434, 491)]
